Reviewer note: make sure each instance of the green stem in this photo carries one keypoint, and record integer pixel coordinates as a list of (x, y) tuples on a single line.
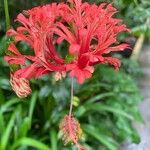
[(7, 14)]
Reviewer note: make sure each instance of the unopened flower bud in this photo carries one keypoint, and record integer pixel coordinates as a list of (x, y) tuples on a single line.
[(59, 75), (21, 86)]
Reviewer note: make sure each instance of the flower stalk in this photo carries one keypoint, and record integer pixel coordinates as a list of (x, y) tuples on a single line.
[(7, 14), (71, 98)]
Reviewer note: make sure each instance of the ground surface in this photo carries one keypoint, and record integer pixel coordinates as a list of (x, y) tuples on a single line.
[(144, 84)]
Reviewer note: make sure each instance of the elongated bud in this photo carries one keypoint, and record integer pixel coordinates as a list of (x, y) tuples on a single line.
[(21, 86)]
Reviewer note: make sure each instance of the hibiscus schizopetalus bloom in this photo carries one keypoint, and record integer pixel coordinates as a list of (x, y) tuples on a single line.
[(90, 32)]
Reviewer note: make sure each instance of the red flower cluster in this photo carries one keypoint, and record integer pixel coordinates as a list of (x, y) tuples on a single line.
[(89, 30)]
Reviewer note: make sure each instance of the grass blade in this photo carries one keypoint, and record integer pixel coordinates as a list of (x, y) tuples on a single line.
[(32, 105), (99, 97), (6, 134), (24, 127), (2, 97), (53, 136), (2, 123), (9, 104), (30, 142), (98, 136), (102, 107)]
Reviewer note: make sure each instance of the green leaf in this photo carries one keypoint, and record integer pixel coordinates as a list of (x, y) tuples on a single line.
[(5, 41), (141, 29), (2, 97), (53, 139), (99, 97), (30, 142), (32, 105), (102, 107), (4, 83), (6, 134), (24, 127), (90, 130), (8, 104), (2, 123)]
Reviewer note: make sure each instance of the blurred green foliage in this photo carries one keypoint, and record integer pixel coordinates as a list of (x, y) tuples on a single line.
[(136, 14), (105, 105)]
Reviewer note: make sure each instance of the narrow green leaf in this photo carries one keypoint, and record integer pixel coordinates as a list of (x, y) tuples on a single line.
[(30, 142), (3, 46), (24, 127), (99, 136), (53, 136), (9, 104), (7, 132), (32, 105), (2, 123), (99, 97), (2, 97), (102, 107)]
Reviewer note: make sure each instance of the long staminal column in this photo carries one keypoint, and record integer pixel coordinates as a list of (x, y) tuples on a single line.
[(70, 127)]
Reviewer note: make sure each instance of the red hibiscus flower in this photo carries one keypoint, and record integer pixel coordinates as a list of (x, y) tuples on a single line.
[(89, 30)]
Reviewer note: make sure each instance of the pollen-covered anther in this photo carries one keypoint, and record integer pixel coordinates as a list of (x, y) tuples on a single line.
[(21, 86)]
